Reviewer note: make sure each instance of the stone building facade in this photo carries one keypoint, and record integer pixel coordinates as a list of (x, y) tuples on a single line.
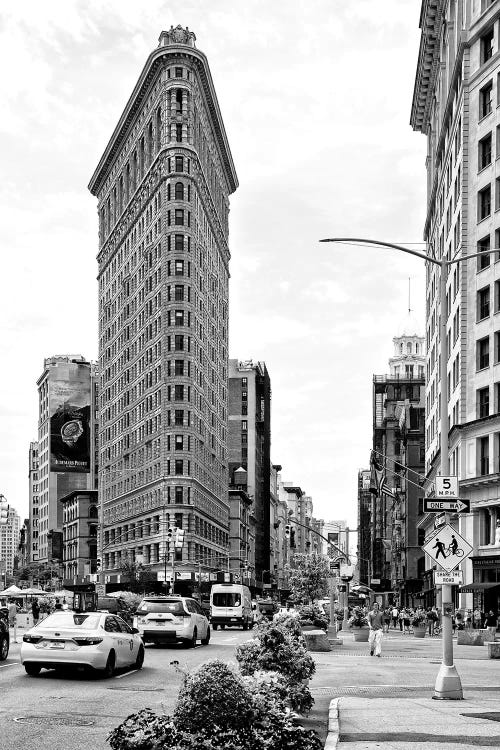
[(163, 187)]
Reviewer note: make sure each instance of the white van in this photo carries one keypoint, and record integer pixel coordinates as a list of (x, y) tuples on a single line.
[(230, 604)]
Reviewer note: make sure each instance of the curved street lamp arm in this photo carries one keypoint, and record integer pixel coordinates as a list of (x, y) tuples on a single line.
[(392, 245)]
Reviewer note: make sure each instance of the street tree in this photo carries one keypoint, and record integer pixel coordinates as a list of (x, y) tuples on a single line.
[(307, 576)]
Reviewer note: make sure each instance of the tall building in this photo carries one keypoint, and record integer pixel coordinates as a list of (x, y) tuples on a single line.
[(66, 438), (250, 447), (34, 508), (163, 185), (9, 542), (364, 546), (456, 105), (397, 396)]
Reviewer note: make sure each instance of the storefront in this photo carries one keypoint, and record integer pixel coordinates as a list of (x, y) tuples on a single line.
[(485, 585)]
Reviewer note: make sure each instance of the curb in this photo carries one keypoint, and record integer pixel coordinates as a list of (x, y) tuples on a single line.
[(332, 737)]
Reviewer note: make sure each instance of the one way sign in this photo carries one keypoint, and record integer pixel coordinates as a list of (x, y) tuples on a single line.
[(434, 505)]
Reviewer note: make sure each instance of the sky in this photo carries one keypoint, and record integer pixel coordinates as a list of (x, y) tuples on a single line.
[(316, 101)]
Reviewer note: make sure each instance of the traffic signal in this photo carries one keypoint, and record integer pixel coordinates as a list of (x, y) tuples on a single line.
[(98, 565), (292, 538), (171, 533), (179, 538), (287, 531), (4, 510)]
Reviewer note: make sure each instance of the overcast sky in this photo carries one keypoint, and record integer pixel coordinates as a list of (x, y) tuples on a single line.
[(316, 101)]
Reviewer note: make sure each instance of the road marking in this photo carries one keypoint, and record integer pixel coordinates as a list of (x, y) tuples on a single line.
[(13, 664), (119, 676)]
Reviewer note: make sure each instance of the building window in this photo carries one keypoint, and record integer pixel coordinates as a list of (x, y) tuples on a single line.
[(244, 408), (244, 395), (484, 246), (179, 217), (485, 103), (179, 191), (179, 367), (178, 132), (179, 163), (244, 425), (179, 268), (484, 151), (179, 466), (497, 347), (484, 203), (179, 317), (179, 343), (178, 72), (179, 443), (486, 46), (483, 402), (496, 403), (483, 353), (483, 449), (179, 417), (179, 243), (179, 393), (179, 494), (483, 303)]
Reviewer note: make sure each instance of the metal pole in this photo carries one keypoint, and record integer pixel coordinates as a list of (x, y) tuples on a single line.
[(448, 685)]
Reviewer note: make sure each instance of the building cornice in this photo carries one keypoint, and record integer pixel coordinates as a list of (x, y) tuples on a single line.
[(431, 19), (151, 69)]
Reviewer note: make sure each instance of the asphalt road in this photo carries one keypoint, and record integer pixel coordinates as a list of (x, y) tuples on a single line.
[(77, 711)]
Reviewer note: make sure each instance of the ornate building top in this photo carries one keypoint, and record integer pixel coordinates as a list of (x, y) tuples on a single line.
[(177, 36)]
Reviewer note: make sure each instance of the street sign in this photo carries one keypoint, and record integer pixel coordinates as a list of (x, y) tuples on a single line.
[(447, 487), (447, 548), (100, 589), (439, 520), (456, 505), (160, 576), (452, 579)]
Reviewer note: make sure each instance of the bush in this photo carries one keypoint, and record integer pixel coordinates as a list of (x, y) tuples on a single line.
[(213, 696), (311, 614), (144, 730), (358, 619)]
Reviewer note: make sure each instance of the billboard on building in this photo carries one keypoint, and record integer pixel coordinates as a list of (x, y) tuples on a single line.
[(69, 409)]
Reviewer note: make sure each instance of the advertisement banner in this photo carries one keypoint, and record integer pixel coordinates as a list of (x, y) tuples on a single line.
[(69, 406)]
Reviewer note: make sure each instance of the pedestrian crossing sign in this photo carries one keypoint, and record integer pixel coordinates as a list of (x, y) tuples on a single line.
[(447, 548)]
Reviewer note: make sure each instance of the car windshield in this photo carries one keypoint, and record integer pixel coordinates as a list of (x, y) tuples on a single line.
[(174, 606), (226, 599), (266, 605), (71, 621)]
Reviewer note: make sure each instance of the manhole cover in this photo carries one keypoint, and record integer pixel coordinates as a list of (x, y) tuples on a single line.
[(138, 689), (67, 721)]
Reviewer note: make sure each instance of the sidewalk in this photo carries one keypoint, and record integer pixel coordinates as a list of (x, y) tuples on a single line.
[(387, 702)]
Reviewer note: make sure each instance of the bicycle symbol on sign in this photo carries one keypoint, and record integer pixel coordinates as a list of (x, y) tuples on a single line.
[(453, 550)]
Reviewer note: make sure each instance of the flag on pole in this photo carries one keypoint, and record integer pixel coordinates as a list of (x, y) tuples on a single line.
[(378, 477)]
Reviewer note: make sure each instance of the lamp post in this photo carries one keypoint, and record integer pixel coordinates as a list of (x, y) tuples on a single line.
[(448, 685)]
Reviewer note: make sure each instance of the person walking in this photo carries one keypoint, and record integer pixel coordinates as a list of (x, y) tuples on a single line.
[(386, 617), (432, 618), (35, 611), (491, 622), (376, 623), (477, 618), (395, 615)]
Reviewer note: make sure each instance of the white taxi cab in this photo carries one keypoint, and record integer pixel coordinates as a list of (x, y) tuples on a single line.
[(96, 640), (172, 619)]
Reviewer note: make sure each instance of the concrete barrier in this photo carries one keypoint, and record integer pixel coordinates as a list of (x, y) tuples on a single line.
[(316, 640), (493, 650), (470, 638)]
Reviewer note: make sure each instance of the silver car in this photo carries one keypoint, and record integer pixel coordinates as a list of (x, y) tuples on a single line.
[(172, 619), (96, 640)]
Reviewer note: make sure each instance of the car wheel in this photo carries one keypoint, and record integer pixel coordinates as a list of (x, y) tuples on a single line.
[(206, 639), (192, 642), (32, 669), (4, 647), (245, 625), (109, 669), (140, 658), (222, 627), (215, 627)]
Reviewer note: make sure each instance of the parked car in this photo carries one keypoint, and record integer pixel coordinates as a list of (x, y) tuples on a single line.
[(4, 635), (96, 640), (172, 619)]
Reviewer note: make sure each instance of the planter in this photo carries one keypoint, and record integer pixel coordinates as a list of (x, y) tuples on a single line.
[(360, 633), (307, 628), (419, 632)]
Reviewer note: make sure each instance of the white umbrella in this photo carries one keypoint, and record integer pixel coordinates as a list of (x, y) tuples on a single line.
[(33, 592), (11, 591)]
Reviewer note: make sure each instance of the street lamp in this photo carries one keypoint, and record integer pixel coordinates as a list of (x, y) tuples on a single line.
[(448, 684)]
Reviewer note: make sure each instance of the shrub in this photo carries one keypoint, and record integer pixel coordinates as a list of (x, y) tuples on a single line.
[(358, 619), (144, 730), (213, 696)]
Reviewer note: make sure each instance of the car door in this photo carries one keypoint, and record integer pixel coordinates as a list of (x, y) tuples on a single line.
[(202, 620), (191, 607), (114, 633), (130, 644)]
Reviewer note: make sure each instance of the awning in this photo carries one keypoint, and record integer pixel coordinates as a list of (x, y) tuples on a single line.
[(469, 588)]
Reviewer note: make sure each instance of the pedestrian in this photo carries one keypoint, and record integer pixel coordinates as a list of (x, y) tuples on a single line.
[(406, 621), (468, 619), (459, 618), (491, 622), (64, 604), (387, 619), (35, 611), (477, 618), (440, 549), (401, 617), (58, 604), (395, 615), (431, 620), (12, 613), (376, 623)]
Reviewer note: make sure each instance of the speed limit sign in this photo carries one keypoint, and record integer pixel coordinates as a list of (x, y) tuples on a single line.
[(447, 487)]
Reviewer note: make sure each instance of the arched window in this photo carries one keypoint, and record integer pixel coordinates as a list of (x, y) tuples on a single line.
[(93, 511), (408, 347), (179, 191), (416, 348)]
